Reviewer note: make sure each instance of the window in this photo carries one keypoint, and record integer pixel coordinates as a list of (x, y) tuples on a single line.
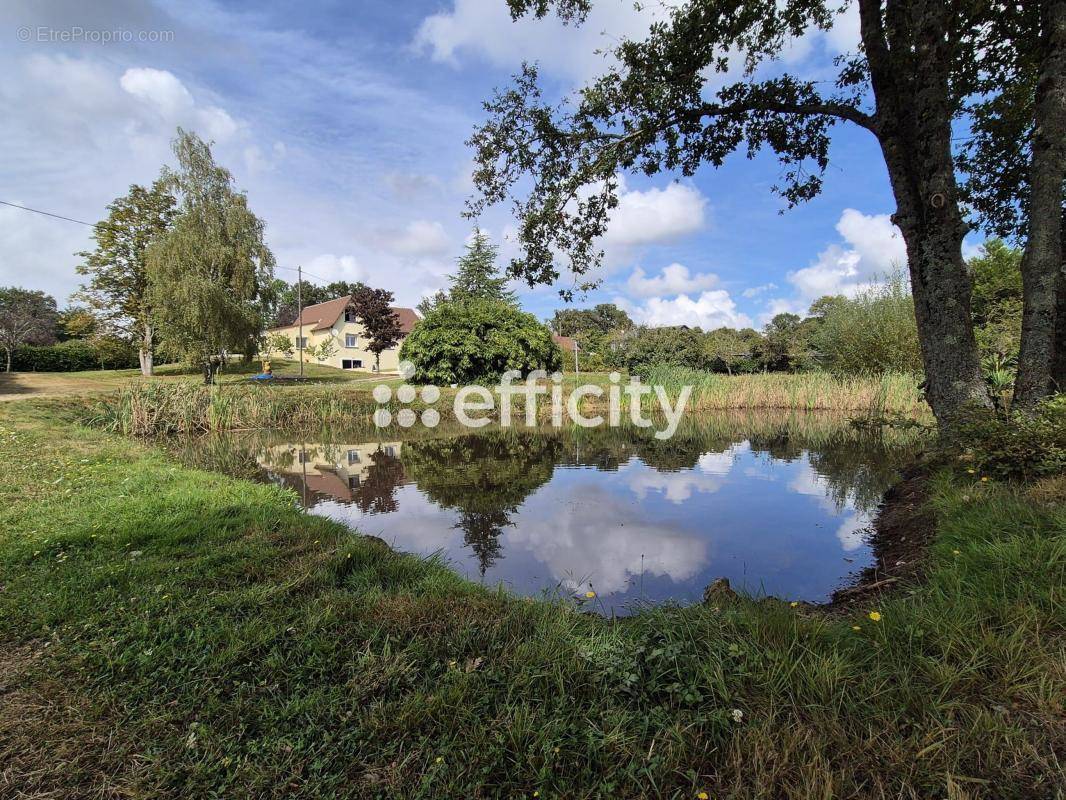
[(353, 482), (305, 457), (351, 363), (390, 451), (349, 315), (353, 456), (301, 342), (349, 340)]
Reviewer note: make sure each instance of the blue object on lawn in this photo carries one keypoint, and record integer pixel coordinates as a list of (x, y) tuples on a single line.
[(263, 376)]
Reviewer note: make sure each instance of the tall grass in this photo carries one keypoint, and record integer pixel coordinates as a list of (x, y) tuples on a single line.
[(148, 409), (890, 393)]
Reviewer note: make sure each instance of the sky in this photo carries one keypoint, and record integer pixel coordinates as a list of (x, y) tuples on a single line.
[(345, 123)]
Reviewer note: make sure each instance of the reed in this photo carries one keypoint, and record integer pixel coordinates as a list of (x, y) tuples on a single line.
[(151, 409), (890, 393)]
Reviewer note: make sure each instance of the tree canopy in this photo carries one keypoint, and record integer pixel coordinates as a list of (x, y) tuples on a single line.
[(208, 273), (117, 289), (478, 275), (26, 317), (478, 340)]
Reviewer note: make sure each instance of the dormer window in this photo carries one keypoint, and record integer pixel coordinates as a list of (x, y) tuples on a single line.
[(349, 315)]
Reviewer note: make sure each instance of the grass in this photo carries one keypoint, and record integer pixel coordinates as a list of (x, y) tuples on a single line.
[(157, 407), (891, 393), (167, 632), (23, 385)]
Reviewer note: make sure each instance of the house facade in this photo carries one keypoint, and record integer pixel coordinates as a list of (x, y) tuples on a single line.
[(332, 322)]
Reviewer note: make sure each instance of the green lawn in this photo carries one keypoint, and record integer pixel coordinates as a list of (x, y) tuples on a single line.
[(166, 632), (20, 385)]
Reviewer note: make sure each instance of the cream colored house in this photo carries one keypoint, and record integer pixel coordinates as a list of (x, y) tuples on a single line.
[(335, 470), (330, 321)]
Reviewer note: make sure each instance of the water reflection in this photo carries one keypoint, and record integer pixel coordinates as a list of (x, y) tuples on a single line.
[(780, 507)]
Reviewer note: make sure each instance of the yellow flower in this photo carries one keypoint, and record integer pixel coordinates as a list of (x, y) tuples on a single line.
[(703, 796), (957, 552), (438, 759), (856, 627), (590, 595), (984, 479), (793, 604), (536, 794), (970, 471), (875, 616)]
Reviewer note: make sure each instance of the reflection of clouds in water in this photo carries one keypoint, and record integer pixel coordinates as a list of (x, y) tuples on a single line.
[(677, 487), (415, 526), (853, 531), (722, 463), (853, 526), (594, 536)]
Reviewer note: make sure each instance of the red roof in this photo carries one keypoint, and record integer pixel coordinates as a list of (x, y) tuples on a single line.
[(567, 343), (321, 316)]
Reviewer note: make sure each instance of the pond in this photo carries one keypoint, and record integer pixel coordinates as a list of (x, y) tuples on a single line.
[(780, 505)]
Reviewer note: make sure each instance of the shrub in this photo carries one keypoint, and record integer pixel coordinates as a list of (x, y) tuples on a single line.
[(1018, 446), (75, 355), (871, 333), (478, 340)]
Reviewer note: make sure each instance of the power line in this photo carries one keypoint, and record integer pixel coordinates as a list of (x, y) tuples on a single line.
[(112, 227)]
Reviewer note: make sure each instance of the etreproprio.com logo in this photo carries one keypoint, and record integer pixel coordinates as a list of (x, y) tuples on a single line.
[(472, 406)]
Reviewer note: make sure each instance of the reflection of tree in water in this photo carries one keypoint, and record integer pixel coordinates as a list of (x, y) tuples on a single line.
[(859, 468), (376, 493), (485, 477)]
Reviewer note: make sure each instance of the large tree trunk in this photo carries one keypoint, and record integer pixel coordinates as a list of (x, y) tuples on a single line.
[(7, 350), (910, 55), (1058, 365), (1042, 261), (145, 354)]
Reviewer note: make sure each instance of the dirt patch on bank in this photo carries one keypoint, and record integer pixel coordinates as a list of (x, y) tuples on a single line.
[(902, 531), (51, 743)]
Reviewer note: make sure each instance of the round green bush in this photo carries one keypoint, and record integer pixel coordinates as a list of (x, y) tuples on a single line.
[(476, 341)]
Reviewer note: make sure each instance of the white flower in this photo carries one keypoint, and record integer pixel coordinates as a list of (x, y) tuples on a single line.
[(737, 715)]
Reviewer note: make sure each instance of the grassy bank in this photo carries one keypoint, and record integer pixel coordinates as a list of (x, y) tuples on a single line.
[(170, 632), (148, 408)]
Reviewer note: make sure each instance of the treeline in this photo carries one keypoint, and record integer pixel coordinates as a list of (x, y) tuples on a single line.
[(38, 337), (873, 332)]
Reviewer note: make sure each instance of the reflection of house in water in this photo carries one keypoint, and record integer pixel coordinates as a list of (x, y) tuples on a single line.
[(365, 475)]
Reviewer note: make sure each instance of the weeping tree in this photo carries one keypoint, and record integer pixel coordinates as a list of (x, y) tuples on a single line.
[(208, 273), (654, 111), (117, 290)]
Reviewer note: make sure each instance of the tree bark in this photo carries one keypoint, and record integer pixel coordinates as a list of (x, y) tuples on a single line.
[(1042, 260), (1058, 365), (910, 56), (7, 350)]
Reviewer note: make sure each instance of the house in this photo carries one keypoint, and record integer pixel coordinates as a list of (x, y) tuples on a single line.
[(330, 472), (332, 322), (566, 343)]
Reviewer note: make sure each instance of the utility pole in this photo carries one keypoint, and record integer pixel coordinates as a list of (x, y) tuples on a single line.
[(300, 315), (577, 368)]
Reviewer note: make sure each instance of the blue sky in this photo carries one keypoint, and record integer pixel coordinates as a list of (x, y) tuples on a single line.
[(345, 124)]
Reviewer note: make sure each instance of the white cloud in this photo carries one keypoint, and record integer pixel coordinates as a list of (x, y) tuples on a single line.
[(873, 247), (755, 291), (654, 215), (712, 309), (674, 279), (174, 104), (484, 29), (332, 267), (418, 238)]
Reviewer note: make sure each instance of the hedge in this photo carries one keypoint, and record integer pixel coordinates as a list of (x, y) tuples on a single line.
[(73, 356)]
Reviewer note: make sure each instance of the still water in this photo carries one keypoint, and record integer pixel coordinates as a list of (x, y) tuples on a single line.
[(779, 505)]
